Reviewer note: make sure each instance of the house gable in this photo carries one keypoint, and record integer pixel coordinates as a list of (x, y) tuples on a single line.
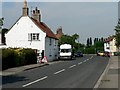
[(23, 26)]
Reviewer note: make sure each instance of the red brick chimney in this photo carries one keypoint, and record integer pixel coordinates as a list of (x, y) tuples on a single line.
[(36, 14)]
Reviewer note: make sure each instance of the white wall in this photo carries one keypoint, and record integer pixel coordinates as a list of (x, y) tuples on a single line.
[(107, 47), (111, 45), (51, 51), (18, 35)]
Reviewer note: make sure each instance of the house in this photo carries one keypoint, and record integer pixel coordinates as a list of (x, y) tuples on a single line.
[(109, 45), (31, 32)]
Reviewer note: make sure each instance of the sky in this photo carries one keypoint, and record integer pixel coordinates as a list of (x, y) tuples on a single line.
[(87, 19)]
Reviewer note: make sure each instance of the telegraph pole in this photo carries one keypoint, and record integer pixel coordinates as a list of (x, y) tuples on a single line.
[(1, 24)]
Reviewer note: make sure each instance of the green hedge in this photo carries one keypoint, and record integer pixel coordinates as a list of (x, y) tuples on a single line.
[(17, 57)]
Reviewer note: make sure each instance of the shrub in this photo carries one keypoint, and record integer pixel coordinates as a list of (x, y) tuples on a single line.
[(8, 58), (17, 57), (30, 56)]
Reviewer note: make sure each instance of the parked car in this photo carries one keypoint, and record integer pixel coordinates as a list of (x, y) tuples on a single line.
[(103, 53), (78, 54), (107, 54), (100, 53), (116, 53)]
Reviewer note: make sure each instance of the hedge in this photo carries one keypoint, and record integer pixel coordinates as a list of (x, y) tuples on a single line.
[(17, 57)]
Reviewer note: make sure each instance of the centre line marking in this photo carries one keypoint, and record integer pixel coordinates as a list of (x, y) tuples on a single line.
[(59, 71), (72, 66), (35, 81), (79, 63), (84, 61), (87, 59)]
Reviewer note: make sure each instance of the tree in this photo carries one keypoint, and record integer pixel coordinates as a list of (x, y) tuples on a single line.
[(90, 41), (102, 39), (75, 36), (117, 34), (67, 39)]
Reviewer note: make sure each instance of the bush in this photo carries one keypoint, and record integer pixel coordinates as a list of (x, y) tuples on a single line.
[(8, 58), (17, 57), (29, 56)]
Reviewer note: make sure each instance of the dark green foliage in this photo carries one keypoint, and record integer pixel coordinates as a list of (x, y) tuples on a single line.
[(90, 50), (29, 56), (88, 42), (67, 39), (8, 58), (17, 57), (117, 36)]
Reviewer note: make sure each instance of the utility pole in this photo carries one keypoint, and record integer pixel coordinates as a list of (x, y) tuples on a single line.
[(1, 24)]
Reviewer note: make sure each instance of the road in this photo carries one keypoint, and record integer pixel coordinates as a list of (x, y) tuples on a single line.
[(80, 73)]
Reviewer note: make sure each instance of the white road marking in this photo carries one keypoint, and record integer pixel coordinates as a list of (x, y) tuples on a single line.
[(72, 66), (59, 71), (84, 61), (35, 81), (79, 63), (87, 59), (91, 57)]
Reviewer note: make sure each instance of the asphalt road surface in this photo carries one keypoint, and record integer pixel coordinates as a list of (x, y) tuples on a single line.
[(80, 73)]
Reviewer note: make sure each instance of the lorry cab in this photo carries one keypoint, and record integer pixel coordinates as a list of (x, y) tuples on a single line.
[(65, 51)]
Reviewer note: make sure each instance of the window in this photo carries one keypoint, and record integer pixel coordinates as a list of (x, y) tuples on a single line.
[(33, 36), (65, 50)]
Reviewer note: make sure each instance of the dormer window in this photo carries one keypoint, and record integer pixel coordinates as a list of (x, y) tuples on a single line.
[(33, 37)]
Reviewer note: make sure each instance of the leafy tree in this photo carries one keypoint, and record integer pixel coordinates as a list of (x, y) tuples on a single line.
[(67, 39), (75, 36), (117, 36)]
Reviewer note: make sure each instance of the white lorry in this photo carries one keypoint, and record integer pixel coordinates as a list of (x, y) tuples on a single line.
[(65, 51)]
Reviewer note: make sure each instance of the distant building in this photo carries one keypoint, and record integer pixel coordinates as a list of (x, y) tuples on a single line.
[(59, 33), (109, 45), (31, 32)]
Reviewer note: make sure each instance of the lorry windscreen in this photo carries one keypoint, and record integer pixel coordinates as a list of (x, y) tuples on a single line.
[(65, 50)]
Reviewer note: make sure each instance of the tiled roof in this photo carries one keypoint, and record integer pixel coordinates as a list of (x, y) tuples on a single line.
[(45, 29), (109, 39)]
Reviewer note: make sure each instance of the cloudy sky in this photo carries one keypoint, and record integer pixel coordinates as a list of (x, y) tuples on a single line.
[(88, 19)]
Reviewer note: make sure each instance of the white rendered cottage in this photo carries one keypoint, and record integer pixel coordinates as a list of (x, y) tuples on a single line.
[(30, 32), (109, 45)]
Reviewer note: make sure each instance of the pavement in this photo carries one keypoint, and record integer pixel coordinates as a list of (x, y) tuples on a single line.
[(16, 70), (110, 77)]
